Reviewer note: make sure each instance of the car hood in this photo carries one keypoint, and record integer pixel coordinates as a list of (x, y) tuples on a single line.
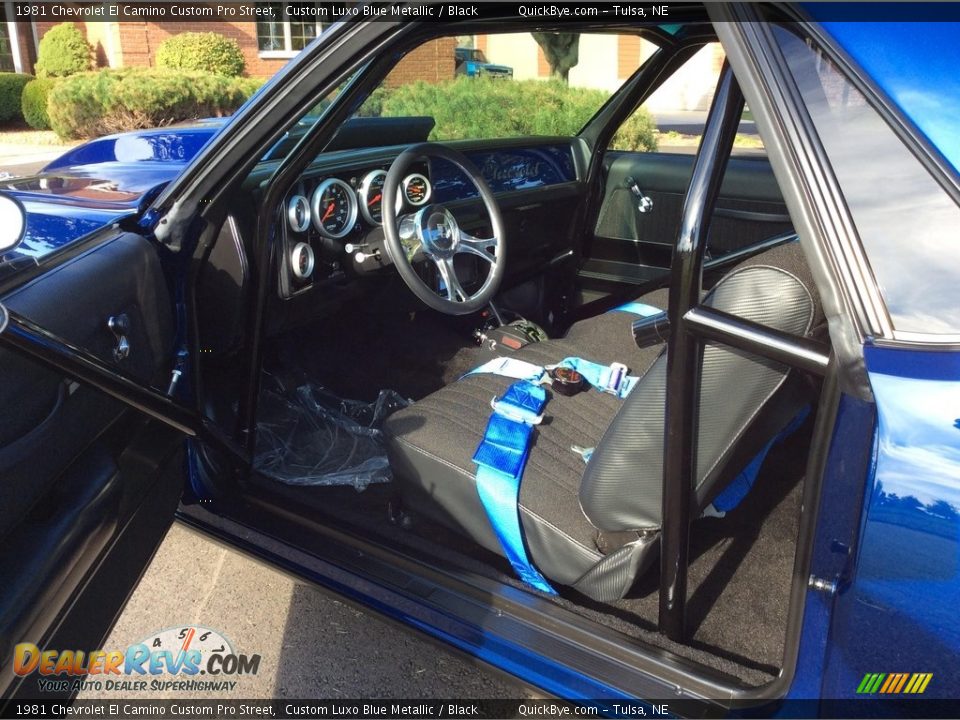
[(66, 203), (105, 185)]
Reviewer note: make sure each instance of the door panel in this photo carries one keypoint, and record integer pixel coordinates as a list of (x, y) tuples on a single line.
[(75, 465), (631, 248)]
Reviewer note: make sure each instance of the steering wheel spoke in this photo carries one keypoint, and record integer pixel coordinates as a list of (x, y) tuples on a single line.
[(481, 247), (451, 283), (432, 232)]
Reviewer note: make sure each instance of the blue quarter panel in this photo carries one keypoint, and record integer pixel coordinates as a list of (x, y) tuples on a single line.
[(899, 612)]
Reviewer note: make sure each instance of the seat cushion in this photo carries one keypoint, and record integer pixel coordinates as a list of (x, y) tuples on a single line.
[(612, 330), (432, 444)]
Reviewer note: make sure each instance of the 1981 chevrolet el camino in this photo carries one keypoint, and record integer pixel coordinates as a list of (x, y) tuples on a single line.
[(623, 424)]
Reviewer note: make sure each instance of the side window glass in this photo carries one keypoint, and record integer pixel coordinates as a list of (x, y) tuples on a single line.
[(646, 182), (677, 111), (905, 219)]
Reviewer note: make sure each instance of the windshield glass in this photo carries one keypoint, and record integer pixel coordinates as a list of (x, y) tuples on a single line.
[(478, 87)]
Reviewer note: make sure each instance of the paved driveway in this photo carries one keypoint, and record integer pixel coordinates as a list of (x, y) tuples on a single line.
[(311, 646)]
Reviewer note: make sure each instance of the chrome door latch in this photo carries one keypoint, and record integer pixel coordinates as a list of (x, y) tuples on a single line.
[(644, 202), (119, 325)]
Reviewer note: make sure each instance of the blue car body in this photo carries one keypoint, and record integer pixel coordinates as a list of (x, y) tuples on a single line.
[(100, 182), (889, 522)]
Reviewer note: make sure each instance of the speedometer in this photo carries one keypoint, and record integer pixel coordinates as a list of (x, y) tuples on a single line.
[(371, 196), (334, 207), (416, 189)]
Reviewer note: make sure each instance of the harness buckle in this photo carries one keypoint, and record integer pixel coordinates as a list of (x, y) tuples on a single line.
[(615, 379), (512, 412)]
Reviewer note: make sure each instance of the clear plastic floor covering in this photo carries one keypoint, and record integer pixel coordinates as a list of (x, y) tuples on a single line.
[(307, 436)]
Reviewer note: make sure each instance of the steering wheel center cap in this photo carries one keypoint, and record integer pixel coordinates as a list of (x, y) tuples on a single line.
[(438, 231)]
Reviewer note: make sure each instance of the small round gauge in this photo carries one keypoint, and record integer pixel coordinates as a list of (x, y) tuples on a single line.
[(334, 208), (301, 261), (371, 196), (298, 213), (416, 189)]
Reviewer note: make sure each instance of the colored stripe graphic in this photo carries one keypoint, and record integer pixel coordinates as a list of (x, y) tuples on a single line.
[(894, 683), (903, 681)]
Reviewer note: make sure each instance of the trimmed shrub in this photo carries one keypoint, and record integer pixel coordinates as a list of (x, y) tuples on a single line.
[(206, 52), (639, 132), (63, 51), (34, 102), (488, 108), (109, 101), (11, 90)]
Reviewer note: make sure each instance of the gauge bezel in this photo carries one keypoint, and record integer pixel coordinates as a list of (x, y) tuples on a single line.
[(298, 249), (292, 214), (406, 183), (364, 191), (351, 212)]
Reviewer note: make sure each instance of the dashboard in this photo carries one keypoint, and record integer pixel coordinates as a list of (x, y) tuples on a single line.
[(332, 218)]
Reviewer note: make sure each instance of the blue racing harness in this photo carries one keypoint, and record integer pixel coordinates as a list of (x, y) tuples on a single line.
[(502, 454)]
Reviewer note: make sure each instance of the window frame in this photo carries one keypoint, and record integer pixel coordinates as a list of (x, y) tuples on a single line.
[(287, 26)]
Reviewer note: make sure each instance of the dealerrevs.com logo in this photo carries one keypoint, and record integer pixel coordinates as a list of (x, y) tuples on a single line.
[(169, 660)]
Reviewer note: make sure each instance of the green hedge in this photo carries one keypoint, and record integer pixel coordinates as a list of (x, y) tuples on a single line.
[(109, 101), (488, 108), (11, 90), (206, 52), (34, 102), (63, 51)]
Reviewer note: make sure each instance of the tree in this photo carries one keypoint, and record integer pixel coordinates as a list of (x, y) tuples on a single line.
[(941, 508), (562, 51)]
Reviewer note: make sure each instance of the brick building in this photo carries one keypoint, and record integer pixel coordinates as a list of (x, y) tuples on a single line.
[(266, 45)]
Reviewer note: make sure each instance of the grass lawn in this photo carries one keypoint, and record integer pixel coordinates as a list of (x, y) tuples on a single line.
[(28, 136), (674, 139)]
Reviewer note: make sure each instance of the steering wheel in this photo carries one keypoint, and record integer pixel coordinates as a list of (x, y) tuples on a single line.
[(433, 232)]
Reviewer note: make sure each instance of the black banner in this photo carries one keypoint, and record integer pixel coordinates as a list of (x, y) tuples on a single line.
[(328, 12), (234, 709)]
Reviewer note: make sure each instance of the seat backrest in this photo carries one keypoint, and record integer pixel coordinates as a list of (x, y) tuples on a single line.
[(622, 485)]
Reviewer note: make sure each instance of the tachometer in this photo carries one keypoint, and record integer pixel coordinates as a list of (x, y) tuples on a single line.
[(416, 189), (371, 196), (334, 208)]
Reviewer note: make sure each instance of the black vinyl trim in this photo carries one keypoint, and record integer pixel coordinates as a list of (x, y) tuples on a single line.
[(30, 340), (752, 216)]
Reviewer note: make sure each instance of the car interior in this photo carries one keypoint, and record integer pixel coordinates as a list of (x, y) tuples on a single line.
[(368, 415), (388, 330)]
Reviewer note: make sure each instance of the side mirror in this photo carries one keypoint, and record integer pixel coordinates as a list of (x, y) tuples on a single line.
[(13, 222)]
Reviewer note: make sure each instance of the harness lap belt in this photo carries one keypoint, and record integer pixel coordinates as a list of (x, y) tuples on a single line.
[(500, 458), (605, 378)]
